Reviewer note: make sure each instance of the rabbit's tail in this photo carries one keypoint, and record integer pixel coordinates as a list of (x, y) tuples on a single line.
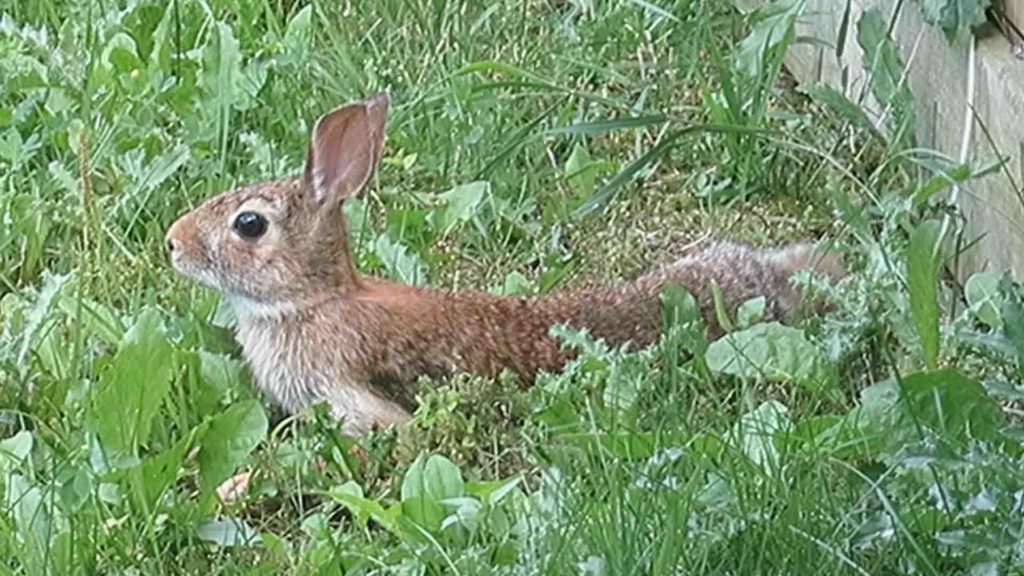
[(805, 256)]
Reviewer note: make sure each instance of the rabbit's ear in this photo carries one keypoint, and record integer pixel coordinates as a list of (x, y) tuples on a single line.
[(346, 145)]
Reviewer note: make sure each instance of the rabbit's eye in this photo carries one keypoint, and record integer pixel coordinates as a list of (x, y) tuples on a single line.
[(250, 225)]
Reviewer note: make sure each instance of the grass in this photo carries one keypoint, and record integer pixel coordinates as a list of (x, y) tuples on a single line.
[(881, 439)]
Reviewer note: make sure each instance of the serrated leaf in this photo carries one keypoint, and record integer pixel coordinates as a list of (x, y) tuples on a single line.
[(954, 406), (624, 384), (250, 82), (402, 265), (10, 145), (955, 17), (885, 69), (463, 203), (298, 36), (160, 54), (773, 31), (221, 65), (37, 315), (145, 181), (159, 472)]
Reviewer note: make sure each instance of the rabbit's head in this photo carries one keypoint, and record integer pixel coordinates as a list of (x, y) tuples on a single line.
[(276, 246)]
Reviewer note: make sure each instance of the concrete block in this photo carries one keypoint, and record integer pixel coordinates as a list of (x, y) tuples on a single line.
[(1015, 12), (937, 74), (994, 205)]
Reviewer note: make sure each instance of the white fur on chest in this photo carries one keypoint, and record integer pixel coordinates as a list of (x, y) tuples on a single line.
[(297, 366), (279, 368)]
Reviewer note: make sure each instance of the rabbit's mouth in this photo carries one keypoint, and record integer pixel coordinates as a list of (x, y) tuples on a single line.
[(245, 305), (198, 274)]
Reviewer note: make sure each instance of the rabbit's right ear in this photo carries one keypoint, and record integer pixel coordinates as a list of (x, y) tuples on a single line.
[(346, 145)]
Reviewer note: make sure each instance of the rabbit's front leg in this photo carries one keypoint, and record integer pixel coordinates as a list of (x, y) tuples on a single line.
[(360, 410)]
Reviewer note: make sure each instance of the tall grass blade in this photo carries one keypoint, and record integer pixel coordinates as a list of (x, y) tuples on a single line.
[(609, 190), (605, 126)]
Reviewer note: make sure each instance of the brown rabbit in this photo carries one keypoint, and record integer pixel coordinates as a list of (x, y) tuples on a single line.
[(313, 329)]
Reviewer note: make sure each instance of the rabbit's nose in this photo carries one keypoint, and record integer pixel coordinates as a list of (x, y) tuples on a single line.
[(173, 244)]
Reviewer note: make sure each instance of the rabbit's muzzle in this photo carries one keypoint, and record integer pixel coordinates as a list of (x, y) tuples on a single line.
[(175, 243), (185, 247)]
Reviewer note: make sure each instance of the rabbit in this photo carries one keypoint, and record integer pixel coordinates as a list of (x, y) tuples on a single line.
[(313, 329)]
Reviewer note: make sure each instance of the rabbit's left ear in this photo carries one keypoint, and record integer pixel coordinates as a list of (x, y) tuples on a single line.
[(346, 145)]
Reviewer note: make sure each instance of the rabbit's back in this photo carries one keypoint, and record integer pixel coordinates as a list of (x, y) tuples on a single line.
[(632, 312)]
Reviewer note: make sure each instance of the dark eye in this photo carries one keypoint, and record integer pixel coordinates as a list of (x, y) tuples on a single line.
[(250, 225)]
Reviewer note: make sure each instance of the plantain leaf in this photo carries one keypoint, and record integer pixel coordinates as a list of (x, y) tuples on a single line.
[(954, 406), (772, 352), (923, 259), (134, 387), (427, 483), (228, 440)]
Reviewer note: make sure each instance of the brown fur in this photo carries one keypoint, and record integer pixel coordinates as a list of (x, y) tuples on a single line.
[(313, 329)]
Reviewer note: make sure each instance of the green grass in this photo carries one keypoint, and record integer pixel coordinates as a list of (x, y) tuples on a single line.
[(123, 401)]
